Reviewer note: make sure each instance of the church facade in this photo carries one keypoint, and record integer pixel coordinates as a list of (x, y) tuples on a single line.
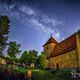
[(65, 54)]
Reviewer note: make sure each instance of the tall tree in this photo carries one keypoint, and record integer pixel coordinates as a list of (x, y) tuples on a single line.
[(13, 50), (33, 57), (4, 30), (42, 60), (24, 57), (35, 53), (29, 57)]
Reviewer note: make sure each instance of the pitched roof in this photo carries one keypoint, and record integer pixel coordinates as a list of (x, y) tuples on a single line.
[(65, 46), (51, 40)]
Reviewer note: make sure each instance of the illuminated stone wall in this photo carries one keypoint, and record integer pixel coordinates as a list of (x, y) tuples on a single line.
[(49, 48), (47, 63), (67, 60), (2, 61), (78, 48)]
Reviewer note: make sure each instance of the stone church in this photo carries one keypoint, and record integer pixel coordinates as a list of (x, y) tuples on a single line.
[(65, 54)]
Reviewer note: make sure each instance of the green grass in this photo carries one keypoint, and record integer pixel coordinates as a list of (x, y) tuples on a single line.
[(37, 74), (47, 74), (54, 75), (20, 70)]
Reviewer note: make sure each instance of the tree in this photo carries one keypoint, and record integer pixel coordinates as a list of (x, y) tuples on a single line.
[(8, 60), (4, 30), (35, 53), (42, 60), (13, 50), (78, 32), (33, 57), (25, 57), (29, 57)]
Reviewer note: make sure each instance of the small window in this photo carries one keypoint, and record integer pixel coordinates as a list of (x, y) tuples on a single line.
[(47, 48), (57, 66)]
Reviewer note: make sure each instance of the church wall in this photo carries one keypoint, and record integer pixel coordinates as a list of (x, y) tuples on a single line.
[(49, 48), (47, 63), (78, 48), (67, 60)]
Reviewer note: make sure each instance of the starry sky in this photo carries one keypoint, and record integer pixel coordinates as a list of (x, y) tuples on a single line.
[(33, 21)]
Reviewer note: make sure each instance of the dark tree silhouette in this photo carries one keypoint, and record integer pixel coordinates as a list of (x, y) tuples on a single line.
[(4, 30), (13, 50)]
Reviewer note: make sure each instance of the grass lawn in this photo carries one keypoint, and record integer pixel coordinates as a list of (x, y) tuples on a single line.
[(47, 74), (38, 74)]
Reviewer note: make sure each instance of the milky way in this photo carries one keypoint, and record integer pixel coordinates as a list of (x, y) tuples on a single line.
[(32, 21)]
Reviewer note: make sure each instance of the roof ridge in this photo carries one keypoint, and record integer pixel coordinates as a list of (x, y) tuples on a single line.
[(50, 40), (68, 37), (64, 45)]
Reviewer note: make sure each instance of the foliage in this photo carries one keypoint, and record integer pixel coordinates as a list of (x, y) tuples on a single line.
[(64, 74), (20, 69), (29, 57), (34, 53), (8, 60), (47, 75), (42, 60), (24, 58), (4, 30), (78, 32), (32, 57), (13, 49)]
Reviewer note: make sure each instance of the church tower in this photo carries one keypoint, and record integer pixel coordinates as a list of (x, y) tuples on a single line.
[(49, 46)]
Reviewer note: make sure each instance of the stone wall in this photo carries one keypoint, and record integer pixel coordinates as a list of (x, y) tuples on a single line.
[(2, 61), (47, 63), (49, 48), (78, 48), (67, 60)]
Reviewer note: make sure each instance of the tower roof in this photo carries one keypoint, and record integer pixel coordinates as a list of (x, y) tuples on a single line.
[(51, 40)]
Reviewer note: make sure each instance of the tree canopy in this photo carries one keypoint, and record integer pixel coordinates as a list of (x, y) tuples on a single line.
[(4, 30), (29, 57), (42, 60), (13, 49), (24, 58)]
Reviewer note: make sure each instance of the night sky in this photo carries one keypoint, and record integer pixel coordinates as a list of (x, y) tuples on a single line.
[(33, 21)]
